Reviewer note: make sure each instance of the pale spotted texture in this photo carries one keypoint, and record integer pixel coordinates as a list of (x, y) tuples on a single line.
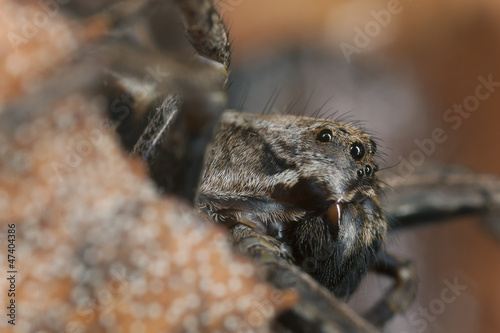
[(36, 40), (97, 249)]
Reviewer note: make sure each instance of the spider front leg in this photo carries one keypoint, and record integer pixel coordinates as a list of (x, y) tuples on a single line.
[(316, 310), (262, 248), (401, 295)]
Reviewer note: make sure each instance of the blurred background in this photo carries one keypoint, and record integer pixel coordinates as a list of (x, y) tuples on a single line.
[(402, 68)]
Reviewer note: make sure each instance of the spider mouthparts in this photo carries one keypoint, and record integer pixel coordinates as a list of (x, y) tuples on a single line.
[(335, 214)]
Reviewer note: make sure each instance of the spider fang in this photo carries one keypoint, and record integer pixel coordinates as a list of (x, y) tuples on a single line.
[(335, 214)]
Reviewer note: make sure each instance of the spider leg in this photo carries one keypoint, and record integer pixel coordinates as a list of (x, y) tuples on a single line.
[(163, 118), (316, 310), (206, 30), (438, 193), (191, 94), (400, 296)]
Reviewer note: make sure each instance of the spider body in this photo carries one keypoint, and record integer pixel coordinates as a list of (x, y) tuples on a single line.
[(292, 191), (308, 183)]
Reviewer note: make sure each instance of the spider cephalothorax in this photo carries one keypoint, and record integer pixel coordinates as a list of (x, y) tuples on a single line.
[(308, 183)]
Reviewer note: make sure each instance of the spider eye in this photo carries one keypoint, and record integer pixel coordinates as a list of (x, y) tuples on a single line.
[(357, 150), (373, 147), (325, 135)]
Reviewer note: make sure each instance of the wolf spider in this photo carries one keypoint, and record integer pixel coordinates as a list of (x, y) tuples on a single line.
[(174, 115)]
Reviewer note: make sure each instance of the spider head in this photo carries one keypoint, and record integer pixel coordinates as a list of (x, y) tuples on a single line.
[(309, 183)]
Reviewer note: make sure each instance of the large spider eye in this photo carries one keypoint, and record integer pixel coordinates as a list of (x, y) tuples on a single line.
[(373, 145), (357, 150), (325, 135)]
